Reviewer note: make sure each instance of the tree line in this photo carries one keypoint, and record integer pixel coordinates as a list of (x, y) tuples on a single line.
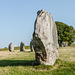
[(66, 33)]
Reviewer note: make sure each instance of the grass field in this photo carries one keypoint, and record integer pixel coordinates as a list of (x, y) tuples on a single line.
[(23, 63), (15, 48)]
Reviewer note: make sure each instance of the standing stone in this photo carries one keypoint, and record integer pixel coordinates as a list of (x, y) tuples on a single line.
[(11, 47), (22, 46), (64, 44), (45, 39), (31, 46)]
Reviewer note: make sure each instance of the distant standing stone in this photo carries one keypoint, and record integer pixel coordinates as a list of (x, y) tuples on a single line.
[(22, 46), (31, 46), (11, 47), (64, 44), (45, 39)]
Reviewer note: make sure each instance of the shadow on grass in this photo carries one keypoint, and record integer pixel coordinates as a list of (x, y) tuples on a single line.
[(4, 63), (59, 68)]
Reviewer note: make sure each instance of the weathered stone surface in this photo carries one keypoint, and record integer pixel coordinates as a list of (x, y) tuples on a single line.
[(64, 44), (31, 46), (22, 46), (11, 47), (45, 39)]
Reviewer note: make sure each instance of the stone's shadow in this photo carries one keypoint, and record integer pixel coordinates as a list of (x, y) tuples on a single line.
[(4, 63)]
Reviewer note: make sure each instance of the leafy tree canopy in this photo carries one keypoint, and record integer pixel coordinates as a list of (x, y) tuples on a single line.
[(65, 33)]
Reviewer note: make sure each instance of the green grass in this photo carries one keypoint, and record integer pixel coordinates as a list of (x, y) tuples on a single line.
[(73, 45), (23, 63), (18, 48), (15, 48), (3, 49)]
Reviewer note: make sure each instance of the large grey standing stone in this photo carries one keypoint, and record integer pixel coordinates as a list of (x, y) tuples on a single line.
[(31, 45), (45, 39), (22, 46), (11, 47)]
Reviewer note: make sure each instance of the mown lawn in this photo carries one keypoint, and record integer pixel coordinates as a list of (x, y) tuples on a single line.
[(23, 63)]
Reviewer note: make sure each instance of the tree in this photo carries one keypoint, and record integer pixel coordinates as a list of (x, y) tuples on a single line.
[(65, 33)]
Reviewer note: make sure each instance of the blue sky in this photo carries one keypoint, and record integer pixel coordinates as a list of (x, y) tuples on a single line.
[(17, 18)]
